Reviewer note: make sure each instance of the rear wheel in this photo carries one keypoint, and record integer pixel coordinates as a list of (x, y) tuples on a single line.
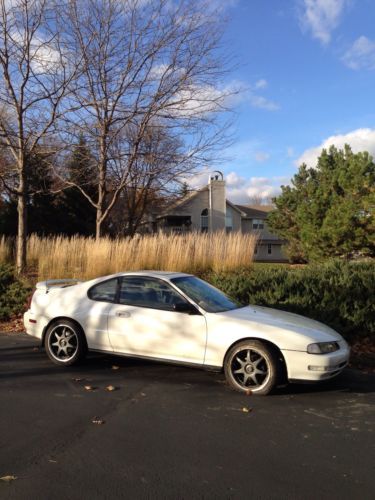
[(65, 343), (251, 366)]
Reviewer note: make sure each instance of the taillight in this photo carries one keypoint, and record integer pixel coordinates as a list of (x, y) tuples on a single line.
[(29, 300)]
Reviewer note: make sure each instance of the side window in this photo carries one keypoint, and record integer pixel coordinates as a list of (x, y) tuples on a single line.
[(204, 220), (104, 292), (148, 292)]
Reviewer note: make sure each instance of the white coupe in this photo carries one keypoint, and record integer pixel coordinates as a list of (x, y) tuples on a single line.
[(179, 318)]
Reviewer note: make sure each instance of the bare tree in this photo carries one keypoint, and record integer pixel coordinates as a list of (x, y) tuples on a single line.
[(260, 200), (155, 176), (34, 72), (145, 64)]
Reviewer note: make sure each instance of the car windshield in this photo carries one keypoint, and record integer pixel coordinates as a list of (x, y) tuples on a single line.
[(206, 296)]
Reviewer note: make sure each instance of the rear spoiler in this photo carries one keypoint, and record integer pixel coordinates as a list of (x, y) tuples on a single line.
[(47, 285)]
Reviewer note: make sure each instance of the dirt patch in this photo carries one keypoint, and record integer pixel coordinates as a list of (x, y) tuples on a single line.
[(14, 325), (363, 355)]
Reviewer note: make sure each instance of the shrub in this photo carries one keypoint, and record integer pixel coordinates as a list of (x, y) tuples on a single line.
[(340, 294), (13, 293)]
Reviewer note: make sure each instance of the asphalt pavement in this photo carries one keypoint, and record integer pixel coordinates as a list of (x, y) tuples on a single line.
[(171, 432)]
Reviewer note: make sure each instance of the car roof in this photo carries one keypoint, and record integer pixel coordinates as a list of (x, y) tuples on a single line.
[(155, 274), (152, 274)]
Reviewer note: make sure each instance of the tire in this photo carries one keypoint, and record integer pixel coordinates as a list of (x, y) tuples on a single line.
[(252, 366), (65, 343)]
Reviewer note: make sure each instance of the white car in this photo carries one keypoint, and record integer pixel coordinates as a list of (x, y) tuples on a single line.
[(179, 318)]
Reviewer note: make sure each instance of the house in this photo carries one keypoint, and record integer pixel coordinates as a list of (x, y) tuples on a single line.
[(208, 210)]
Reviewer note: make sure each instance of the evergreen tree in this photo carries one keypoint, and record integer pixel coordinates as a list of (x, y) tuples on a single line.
[(329, 210)]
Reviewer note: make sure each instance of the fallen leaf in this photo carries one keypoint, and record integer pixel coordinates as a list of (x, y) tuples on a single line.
[(98, 421), (77, 379), (53, 461), (246, 410), (115, 367), (35, 348), (248, 392), (143, 394), (111, 388), (89, 388), (8, 479)]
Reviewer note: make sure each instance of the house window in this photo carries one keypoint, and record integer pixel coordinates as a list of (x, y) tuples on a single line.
[(258, 224), (204, 221), (269, 249), (256, 250), (228, 221)]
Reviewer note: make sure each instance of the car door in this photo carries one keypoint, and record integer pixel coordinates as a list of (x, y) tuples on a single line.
[(94, 316), (144, 322)]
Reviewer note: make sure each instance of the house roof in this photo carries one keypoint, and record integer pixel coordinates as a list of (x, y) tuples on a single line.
[(182, 201), (257, 211), (236, 208)]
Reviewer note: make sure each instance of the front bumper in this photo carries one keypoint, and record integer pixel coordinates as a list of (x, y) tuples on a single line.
[(314, 367)]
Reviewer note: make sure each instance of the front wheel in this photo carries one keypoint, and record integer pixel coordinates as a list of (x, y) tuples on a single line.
[(251, 366), (65, 343)]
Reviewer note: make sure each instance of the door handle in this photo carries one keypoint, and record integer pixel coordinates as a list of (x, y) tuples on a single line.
[(123, 314)]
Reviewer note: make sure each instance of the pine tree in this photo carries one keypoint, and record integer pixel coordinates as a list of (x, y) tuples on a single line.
[(328, 211)]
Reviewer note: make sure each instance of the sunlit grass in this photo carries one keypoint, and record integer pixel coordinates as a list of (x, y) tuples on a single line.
[(85, 258)]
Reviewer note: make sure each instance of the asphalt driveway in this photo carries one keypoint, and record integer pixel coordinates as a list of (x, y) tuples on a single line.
[(172, 432)]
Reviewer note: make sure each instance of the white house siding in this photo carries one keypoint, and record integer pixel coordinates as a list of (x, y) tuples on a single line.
[(194, 208), (235, 216)]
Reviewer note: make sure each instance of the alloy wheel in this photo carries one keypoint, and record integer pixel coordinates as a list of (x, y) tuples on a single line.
[(63, 343), (250, 369)]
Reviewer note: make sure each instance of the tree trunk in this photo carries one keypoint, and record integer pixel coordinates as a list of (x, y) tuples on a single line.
[(98, 231), (101, 186), (22, 230)]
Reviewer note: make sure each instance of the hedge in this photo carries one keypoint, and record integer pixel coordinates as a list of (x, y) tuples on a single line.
[(13, 293), (340, 294)]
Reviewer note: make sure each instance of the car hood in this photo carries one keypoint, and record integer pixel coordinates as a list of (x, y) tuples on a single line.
[(281, 320)]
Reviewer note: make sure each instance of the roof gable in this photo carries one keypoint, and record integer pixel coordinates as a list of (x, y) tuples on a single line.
[(256, 211)]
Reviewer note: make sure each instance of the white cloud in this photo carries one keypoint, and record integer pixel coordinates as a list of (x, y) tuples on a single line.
[(361, 54), (261, 102), (197, 100), (199, 180), (44, 58), (362, 139), (260, 187), (241, 189), (261, 84), (219, 5), (258, 101), (234, 180), (261, 156), (321, 17)]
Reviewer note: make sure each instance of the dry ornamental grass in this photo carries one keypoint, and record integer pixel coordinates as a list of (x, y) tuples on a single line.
[(86, 258)]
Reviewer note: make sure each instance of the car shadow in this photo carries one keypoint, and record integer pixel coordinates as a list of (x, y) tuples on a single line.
[(23, 361)]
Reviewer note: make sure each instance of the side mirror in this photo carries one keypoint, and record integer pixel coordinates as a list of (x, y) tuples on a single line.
[(185, 307)]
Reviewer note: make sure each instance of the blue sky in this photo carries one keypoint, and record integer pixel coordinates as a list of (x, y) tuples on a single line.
[(309, 67)]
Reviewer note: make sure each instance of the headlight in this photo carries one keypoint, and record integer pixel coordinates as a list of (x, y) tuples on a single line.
[(323, 347)]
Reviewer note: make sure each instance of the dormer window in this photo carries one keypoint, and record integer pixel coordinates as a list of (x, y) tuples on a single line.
[(258, 224)]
